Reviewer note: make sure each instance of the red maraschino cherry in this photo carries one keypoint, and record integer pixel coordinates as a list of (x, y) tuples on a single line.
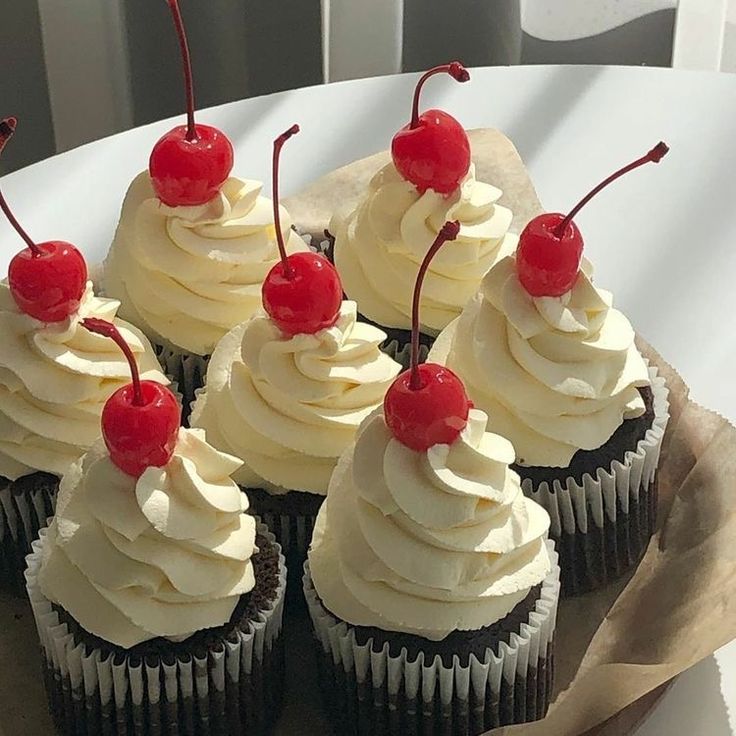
[(427, 404), (433, 151), (190, 163), (551, 246), (140, 421), (302, 293), (47, 280)]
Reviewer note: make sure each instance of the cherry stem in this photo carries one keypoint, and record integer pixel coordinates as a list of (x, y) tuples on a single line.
[(108, 329), (455, 69), (187, 63), (7, 129), (278, 144), (654, 156), (449, 231)]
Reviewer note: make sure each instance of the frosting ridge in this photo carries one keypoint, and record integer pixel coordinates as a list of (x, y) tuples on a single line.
[(190, 274), (380, 245), (431, 542), (290, 405), (167, 554), (54, 381), (557, 374)]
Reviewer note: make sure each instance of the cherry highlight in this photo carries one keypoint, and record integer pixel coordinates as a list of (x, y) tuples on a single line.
[(654, 156), (455, 69)]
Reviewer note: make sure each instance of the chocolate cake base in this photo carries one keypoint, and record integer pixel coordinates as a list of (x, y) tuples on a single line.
[(184, 687), (590, 560), (25, 506), (623, 440), (290, 517), (460, 644)]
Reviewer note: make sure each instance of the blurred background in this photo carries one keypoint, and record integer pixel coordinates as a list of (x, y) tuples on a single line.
[(78, 70)]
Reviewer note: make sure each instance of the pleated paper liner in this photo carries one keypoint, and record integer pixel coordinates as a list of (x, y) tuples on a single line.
[(25, 505), (290, 517), (229, 685), (372, 690), (602, 525)]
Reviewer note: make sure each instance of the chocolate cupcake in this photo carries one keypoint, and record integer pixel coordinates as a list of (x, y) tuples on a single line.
[(158, 601), (429, 581), (289, 406), (192, 248), (54, 380), (563, 380), (379, 245), (286, 392)]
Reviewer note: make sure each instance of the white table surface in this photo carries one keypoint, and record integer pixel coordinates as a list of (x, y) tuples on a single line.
[(663, 240)]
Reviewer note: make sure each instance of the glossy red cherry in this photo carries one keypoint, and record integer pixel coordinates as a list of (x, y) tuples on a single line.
[(433, 150), (47, 280), (434, 413), (140, 421), (427, 404), (302, 293), (551, 246), (190, 163)]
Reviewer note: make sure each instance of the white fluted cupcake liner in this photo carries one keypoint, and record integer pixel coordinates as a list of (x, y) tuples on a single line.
[(603, 525), (234, 685), (291, 518), (372, 692), (401, 352), (186, 370), (25, 505), (317, 243)]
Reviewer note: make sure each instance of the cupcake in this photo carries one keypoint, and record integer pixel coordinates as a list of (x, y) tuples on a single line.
[(545, 353), (287, 390), (54, 380), (158, 599), (192, 247), (431, 586), (380, 244)]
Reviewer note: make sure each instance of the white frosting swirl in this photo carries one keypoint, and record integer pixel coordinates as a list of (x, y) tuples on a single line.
[(54, 381), (289, 406), (428, 542), (380, 245), (165, 555), (190, 274), (557, 374)]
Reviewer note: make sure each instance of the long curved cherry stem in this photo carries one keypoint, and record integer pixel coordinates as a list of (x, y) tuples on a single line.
[(654, 156), (278, 144), (187, 63), (108, 329), (455, 69), (7, 129), (449, 231)]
